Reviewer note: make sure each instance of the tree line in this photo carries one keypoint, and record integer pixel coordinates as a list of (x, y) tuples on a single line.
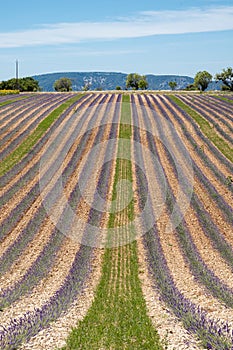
[(22, 84), (134, 81), (202, 80)]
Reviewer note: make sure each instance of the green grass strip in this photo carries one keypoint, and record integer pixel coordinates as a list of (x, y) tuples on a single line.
[(14, 100), (224, 99), (206, 128), (117, 318), (14, 157)]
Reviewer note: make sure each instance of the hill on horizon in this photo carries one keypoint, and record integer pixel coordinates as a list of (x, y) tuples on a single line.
[(109, 80)]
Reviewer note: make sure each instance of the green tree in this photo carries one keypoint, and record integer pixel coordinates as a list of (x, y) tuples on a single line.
[(29, 84), (190, 87), (22, 84), (227, 78), (10, 84), (143, 84), (87, 86), (136, 81), (118, 87), (202, 80), (172, 84), (63, 85)]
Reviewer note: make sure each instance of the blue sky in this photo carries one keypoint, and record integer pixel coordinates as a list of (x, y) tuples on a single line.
[(147, 36)]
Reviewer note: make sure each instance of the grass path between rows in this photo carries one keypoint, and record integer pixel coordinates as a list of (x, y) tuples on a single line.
[(224, 99), (206, 129), (4, 103), (118, 318), (14, 157)]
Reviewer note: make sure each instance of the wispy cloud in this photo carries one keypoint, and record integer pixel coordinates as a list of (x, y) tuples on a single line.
[(144, 24), (84, 52)]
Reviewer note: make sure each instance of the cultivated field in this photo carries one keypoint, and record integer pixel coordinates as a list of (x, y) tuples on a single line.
[(116, 221)]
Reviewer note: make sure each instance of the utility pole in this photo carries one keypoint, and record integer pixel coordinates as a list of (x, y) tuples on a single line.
[(17, 74)]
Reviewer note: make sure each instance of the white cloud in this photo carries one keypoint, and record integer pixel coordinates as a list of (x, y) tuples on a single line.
[(145, 24)]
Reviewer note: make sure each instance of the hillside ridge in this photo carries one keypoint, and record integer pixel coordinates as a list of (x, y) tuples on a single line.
[(108, 80)]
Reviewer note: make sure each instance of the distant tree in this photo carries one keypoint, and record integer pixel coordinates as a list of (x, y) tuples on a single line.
[(63, 85), (136, 81), (227, 78), (172, 84), (118, 87), (21, 84), (99, 88), (225, 88), (202, 80), (191, 87), (11, 84), (29, 84), (143, 84), (87, 86)]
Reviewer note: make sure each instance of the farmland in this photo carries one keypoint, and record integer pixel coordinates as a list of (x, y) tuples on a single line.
[(116, 221)]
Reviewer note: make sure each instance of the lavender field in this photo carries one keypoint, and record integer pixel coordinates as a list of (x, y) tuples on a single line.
[(116, 221)]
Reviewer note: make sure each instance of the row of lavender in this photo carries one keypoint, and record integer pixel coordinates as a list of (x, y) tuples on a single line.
[(17, 213), (214, 114), (206, 143), (226, 99), (217, 173), (22, 121), (212, 231), (214, 335), (10, 108), (216, 104), (13, 97), (15, 250), (22, 329)]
